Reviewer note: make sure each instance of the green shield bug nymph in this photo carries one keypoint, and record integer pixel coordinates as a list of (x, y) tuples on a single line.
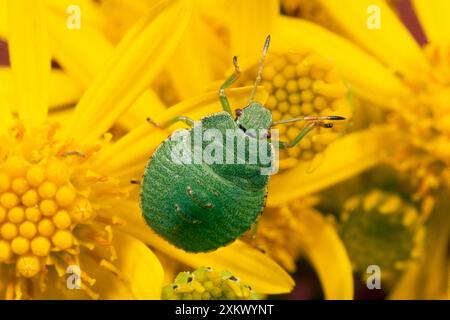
[(201, 195)]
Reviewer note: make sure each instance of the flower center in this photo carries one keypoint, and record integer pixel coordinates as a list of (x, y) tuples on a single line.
[(424, 122), (37, 212), (380, 228), (46, 206), (207, 284), (302, 84)]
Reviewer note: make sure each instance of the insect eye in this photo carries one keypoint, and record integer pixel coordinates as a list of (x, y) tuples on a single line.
[(238, 112), (268, 135)]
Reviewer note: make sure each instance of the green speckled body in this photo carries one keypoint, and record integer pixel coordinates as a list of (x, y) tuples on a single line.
[(201, 207)]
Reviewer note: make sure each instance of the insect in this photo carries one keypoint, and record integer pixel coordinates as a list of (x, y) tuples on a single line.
[(202, 206)]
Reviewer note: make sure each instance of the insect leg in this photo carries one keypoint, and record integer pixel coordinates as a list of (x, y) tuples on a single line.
[(223, 98), (309, 126), (170, 122)]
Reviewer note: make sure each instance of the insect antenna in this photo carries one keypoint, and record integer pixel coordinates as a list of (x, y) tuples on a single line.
[(260, 69), (310, 118)]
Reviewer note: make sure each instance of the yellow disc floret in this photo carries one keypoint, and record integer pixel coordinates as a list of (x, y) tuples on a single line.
[(4, 182), (35, 176), (30, 198), (20, 245), (65, 196), (46, 227), (48, 207), (62, 219), (5, 251), (62, 239), (8, 231), (40, 246), (28, 266), (47, 190), (28, 229), (20, 185), (33, 214), (8, 200), (16, 215)]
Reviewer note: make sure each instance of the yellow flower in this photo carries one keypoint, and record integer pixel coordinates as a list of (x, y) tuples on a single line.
[(384, 67), (65, 195), (387, 68), (416, 97), (245, 40)]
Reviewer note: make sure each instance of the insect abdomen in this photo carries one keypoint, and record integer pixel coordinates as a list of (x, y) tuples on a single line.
[(194, 206)]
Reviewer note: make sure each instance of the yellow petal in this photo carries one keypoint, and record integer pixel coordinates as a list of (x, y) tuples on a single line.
[(61, 115), (345, 158), (30, 58), (391, 43), (120, 15), (250, 23), (6, 119), (63, 90), (70, 50), (433, 15), (249, 264), (200, 58), (367, 76), (136, 62), (83, 62), (135, 274), (147, 104), (327, 253), (427, 278), (139, 269), (141, 141), (3, 19)]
